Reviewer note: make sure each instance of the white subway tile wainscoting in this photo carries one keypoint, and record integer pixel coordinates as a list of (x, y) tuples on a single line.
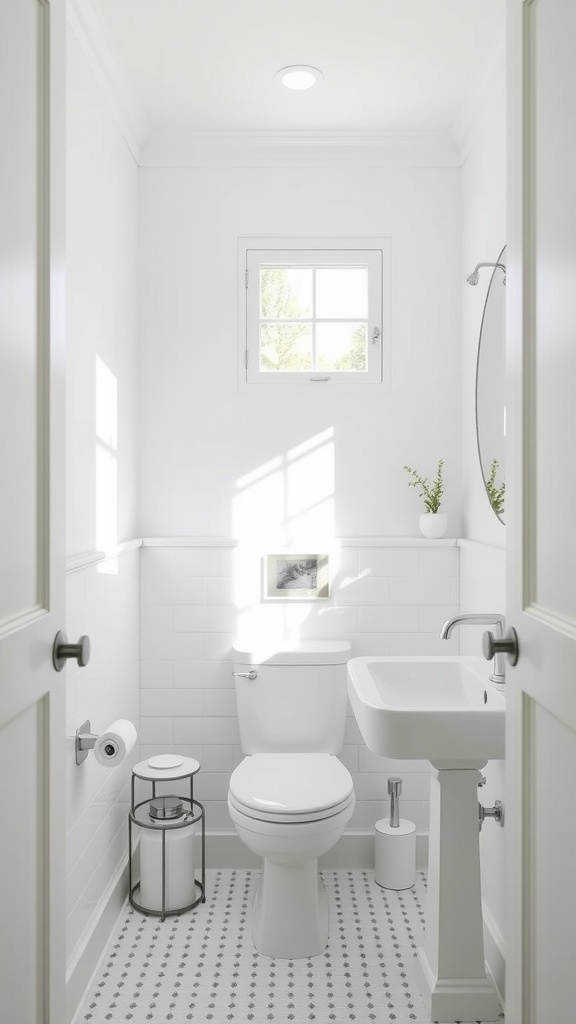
[(387, 596), (102, 602)]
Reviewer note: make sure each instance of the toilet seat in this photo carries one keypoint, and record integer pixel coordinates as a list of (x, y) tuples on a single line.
[(293, 819), (290, 788)]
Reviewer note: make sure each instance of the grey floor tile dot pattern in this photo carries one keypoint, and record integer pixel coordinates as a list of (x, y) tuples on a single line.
[(202, 966)]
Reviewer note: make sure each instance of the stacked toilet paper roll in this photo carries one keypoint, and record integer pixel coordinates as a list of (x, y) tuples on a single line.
[(116, 743)]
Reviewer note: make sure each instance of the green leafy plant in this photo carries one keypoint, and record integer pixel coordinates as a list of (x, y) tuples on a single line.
[(431, 492), (495, 491)]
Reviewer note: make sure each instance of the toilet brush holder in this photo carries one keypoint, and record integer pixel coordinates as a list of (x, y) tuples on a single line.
[(395, 845)]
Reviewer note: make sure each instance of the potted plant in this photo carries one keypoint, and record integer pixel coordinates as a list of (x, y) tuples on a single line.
[(433, 523), (496, 492)]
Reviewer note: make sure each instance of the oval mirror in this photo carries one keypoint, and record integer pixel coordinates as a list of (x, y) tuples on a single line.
[(490, 389)]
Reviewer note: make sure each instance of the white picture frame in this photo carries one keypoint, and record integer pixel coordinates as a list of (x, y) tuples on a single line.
[(296, 577)]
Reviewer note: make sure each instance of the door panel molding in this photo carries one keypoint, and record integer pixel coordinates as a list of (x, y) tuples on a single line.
[(527, 868), (44, 310), (26, 618), (548, 407), (554, 620), (26, 259)]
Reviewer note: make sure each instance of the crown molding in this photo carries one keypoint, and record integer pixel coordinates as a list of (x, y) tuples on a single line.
[(293, 148), (276, 147), (109, 73)]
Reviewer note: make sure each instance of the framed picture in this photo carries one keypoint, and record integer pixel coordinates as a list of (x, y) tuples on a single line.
[(290, 577)]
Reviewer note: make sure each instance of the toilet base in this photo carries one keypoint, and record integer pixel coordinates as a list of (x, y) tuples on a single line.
[(290, 914)]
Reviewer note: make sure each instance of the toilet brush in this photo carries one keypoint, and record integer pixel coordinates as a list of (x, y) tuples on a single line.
[(395, 846)]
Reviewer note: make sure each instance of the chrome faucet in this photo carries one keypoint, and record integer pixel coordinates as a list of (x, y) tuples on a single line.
[(488, 619)]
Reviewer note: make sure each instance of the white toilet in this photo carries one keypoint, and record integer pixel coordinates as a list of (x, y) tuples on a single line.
[(291, 798)]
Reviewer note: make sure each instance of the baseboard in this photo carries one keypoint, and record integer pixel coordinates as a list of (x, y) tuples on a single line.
[(494, 953), (84, 960), (355, 849)]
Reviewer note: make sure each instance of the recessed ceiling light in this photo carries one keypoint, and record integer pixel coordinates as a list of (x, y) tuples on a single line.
[(299, 76)]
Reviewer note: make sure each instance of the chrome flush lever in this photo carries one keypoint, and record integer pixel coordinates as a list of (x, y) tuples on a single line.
[(252, 674)]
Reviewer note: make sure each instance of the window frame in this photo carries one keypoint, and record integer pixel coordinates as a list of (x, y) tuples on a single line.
[(256, 252)]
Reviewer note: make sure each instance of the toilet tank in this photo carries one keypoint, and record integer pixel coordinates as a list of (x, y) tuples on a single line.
[(297, 700)]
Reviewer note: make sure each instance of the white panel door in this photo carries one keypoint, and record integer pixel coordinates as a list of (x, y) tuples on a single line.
[(31, 510), (541, 571)]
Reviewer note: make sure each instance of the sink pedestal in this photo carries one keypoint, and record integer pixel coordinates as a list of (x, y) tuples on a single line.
[(450, 967)]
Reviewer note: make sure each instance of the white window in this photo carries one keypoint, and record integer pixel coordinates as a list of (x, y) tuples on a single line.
[(313, 311)]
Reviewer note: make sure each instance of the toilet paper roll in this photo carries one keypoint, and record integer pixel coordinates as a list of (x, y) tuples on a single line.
[(113, 745)]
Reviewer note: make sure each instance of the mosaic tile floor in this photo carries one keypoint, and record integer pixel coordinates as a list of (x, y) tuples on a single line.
[(202, 966)]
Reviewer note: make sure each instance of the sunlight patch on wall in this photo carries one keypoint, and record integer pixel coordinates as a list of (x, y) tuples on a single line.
[(310, 488), (259, 503), (290, 498), (285, 504)]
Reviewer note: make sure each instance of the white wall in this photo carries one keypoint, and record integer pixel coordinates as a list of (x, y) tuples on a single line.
[(201, 439), (309, 468), (482, 577), (220, 464), (102, 195), (102, 598)]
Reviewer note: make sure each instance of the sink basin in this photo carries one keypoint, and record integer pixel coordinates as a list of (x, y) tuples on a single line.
[(437, 709)]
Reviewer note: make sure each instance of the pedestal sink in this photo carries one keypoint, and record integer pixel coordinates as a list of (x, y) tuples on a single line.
[(446, 711), (437, 709)]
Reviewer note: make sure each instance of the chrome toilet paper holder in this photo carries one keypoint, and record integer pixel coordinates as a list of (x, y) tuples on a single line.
[(85, 741)]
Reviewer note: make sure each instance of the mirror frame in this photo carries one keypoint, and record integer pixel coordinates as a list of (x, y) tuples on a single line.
[(500, 259)]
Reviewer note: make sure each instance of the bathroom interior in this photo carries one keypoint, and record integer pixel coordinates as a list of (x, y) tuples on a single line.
[(182, 479), (208, 478)]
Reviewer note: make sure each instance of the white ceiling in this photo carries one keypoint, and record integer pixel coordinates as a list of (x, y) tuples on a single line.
[(389, 65)]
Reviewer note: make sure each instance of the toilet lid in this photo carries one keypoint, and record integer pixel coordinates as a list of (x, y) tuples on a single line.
[(287, 785)]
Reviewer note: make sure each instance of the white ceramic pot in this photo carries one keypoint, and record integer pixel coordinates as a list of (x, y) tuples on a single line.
[(433, 524)]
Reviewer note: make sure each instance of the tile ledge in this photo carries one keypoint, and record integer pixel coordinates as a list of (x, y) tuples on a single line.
[(396, 542), (480, 548), (190, 542), (83, 560), (347, 542)]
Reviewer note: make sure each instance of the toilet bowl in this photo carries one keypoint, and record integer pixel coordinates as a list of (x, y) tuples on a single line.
[(291, 798), (290, 808)]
